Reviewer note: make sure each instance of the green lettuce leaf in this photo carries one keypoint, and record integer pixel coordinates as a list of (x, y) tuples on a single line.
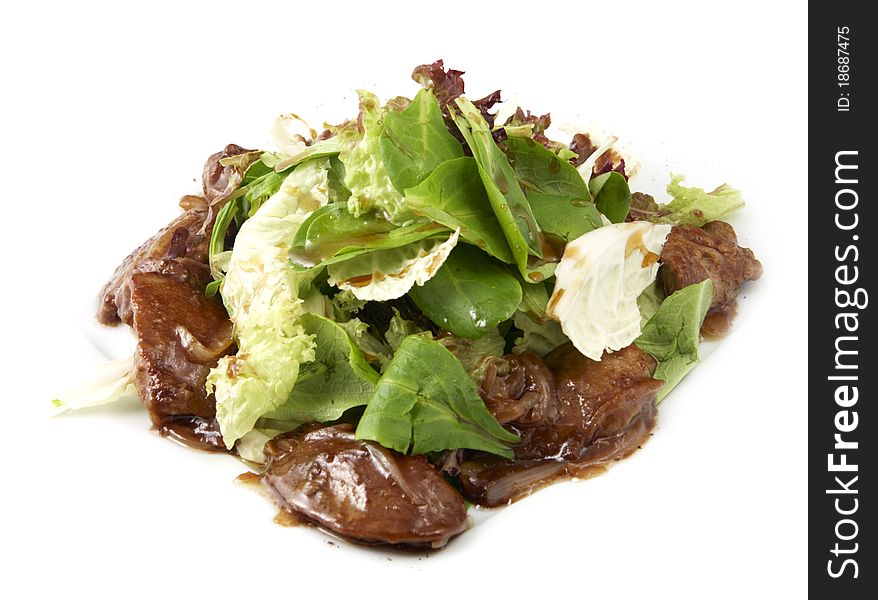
[(540, 336), (399, 329), (510, 205), (246, 201), (390, 273), (256, 170), (671, 336), (260, 190), (331, 234), (649, 301), (415, 141), (470, 295), (426, 402), (329, 147), (455, 196), (694, 206), (373, 349), (261, 293), (689, 206), (611, 195), (345, 305), (337, 379), (559, 197), (366, 173)]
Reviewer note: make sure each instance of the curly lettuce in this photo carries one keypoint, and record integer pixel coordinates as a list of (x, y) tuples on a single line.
[(262, 295), (694, 206), (366, 173)]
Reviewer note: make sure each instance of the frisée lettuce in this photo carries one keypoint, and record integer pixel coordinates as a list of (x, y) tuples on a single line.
[(261, 293)]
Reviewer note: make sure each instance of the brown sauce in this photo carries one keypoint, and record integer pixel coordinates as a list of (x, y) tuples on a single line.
[(193, 432), (574, 417), (288, 518), (718, 321), (249, 478)]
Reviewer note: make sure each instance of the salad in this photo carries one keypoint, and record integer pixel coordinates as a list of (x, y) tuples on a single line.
[(428, 305)]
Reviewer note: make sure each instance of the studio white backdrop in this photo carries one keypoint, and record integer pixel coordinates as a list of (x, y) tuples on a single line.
[(107, 113)]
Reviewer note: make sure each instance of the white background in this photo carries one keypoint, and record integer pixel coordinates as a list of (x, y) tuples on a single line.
[(107, 115)]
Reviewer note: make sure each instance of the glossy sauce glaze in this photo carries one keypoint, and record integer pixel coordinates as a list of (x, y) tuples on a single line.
[(361, 490), (574, 416)]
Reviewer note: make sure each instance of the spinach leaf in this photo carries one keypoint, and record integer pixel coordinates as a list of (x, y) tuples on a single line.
[(510, 205), (470, 294), (559, 197), (454, 196), (426, 402), (415, 141), (672, 334), (611, 195), (339, 377), (332, 234)]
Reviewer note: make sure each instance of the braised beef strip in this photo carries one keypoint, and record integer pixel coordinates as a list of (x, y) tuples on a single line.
[(574, 415), (361, 490), (692, 254), (181, 334)]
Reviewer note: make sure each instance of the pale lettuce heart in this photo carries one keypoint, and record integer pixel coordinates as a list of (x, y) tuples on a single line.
[(387, 274), (109, 382), (261, 293), (598, 281), (289, 132)]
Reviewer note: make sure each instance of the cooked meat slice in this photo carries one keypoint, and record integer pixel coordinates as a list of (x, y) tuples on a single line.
[(602, 397), (179, 250), (602, 412), (158, 290), (181, 334), (692, 254), (361, 490), (519, 389), (196, 432)]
